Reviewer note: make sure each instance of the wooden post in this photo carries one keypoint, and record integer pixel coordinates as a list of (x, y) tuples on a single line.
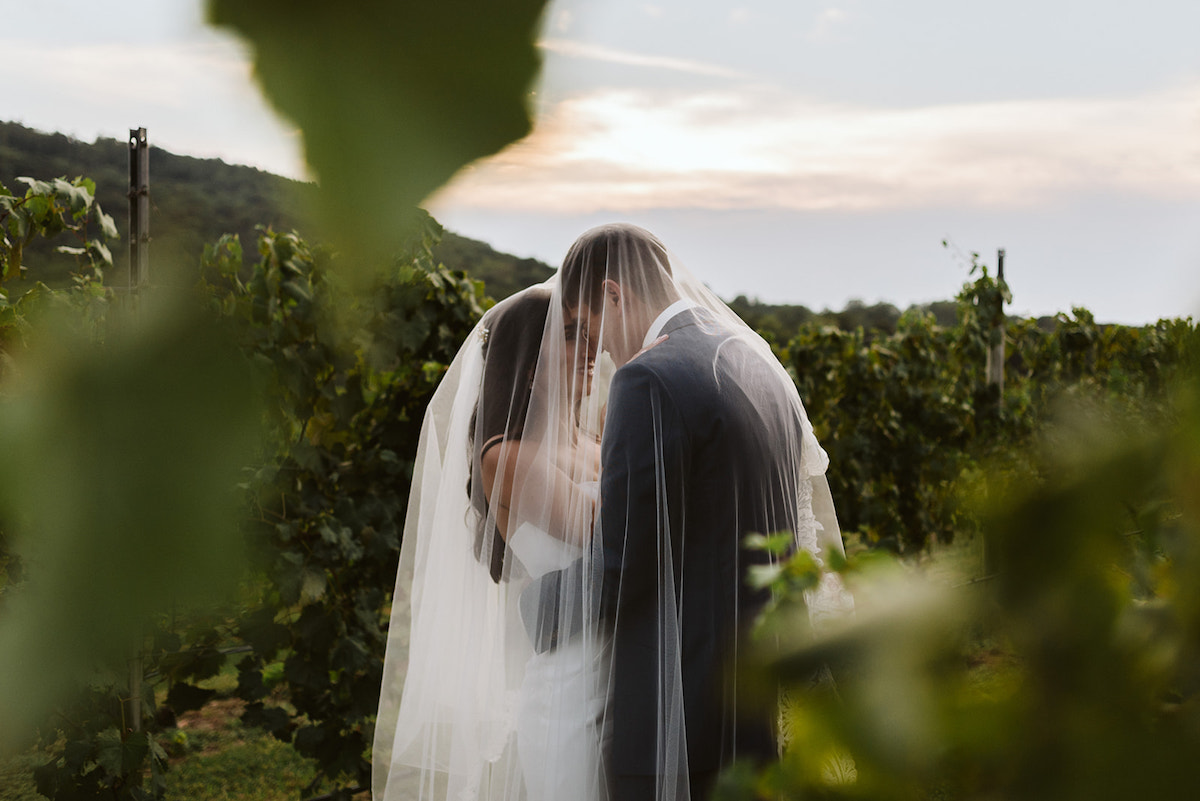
[(995, 376), (134, 723), (139, 208), (139, 274), (995, 354)]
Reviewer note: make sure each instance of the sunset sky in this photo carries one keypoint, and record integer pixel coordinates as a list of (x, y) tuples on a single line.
[(802, 152)]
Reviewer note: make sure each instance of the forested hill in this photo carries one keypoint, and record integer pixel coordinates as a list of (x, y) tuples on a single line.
[(195, 201)]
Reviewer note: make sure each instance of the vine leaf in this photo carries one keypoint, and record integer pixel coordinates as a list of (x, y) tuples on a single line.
[(186, 697), (120, 756)]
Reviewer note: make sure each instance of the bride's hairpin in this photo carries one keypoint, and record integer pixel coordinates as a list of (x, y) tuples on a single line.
[(483, 335)]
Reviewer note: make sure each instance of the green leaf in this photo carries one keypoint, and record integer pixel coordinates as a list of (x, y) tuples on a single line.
[(225, 256), (269, 718), (186, 697), (762, 576), (99, 251), (312, 587), (76, 754), (776, 544), (250, 685), (108, 228), (77, 199), (121, 757), (20, 222), (298, 290), (267, 636), (756, 542), (36, 187), (14, 259), (158, 769)]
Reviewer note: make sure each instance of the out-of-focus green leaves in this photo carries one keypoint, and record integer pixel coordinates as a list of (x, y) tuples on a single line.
[(120, 466), (37, 664), (1090, 631), (393, 97)]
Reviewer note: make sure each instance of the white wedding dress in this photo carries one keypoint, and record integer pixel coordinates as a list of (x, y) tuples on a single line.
[(561, 704)]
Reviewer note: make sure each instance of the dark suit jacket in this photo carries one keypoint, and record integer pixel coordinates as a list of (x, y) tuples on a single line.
[(701, 447)]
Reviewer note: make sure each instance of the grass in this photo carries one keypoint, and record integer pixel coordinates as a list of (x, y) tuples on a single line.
[(215, 759), (16, 778), (212, 757)]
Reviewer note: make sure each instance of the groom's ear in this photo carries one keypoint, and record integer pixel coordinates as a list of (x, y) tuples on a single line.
[(612, 292)]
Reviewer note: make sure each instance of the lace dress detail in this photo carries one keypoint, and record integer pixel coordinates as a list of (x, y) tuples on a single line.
[(807, 525), (829, 600)]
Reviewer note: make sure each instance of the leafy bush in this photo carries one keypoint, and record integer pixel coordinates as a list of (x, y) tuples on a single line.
[(328, 510), (910, 422), (1094, 611)]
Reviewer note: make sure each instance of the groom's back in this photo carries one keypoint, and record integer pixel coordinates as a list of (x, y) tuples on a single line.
[(729, 434)]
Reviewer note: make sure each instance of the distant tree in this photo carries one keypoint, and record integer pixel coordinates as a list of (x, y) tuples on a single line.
[(775, 322)]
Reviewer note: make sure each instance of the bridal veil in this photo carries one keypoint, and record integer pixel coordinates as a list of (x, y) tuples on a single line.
[(571, 606)]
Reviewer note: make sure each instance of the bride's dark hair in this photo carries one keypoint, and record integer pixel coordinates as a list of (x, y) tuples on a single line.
[(512, 345)]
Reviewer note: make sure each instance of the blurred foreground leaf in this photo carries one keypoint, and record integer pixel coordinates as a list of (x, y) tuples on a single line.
[(393, 97), (119, 476), (1073, 674)]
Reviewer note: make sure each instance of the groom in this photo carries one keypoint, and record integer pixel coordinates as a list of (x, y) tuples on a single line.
[(701, 447)]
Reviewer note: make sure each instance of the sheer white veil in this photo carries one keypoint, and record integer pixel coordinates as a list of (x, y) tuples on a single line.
[(571, 599)]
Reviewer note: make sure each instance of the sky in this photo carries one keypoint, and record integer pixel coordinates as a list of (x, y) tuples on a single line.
[(791, 151)]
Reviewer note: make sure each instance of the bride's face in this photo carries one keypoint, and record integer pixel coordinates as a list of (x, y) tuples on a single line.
[(579, 359)]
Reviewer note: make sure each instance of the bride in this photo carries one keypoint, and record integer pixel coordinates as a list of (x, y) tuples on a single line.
[(553, 466), (504, 490), (553, 642)]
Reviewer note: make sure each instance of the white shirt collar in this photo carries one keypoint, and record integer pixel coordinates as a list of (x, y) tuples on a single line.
[(661, 320)]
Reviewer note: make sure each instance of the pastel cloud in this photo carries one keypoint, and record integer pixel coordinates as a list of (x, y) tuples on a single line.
[(632, 149)]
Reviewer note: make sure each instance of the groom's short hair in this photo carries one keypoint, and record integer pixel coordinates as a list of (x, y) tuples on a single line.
[(625, 253)]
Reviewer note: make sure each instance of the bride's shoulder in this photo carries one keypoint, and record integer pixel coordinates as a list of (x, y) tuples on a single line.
[(495, 451)]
